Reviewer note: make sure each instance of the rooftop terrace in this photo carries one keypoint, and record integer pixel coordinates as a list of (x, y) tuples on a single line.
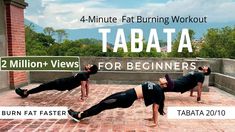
[(118, 120)]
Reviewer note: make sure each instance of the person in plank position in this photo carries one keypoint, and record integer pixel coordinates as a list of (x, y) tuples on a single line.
[(63, 84), (151, 93), (188, 82)]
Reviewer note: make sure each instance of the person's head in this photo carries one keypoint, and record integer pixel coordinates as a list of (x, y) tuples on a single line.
[(205, 69), (166, 82), (92, 69), (163, 82)]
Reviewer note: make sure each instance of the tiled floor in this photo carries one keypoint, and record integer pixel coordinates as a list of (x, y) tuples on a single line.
[(131, 119)]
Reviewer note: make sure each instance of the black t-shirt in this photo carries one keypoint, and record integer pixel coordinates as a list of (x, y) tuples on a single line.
[(188, 81), (71, 82), (152, 93), (82, 76)]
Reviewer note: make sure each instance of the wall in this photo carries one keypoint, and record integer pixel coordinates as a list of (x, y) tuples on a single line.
[(16, 38), (4, 82), (223, 75), (225, 82), (228, 67)]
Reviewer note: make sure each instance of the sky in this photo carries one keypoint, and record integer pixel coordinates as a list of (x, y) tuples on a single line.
[(66, 14)]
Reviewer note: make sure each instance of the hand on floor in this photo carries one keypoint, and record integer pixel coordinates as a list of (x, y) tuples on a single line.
[(81, 99), (152, 125), (148, 119), (192, 95)]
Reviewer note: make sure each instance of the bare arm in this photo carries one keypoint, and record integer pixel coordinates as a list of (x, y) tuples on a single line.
[(155, 114), (199, 91), (87, 88), (191, 92), (83, 89)]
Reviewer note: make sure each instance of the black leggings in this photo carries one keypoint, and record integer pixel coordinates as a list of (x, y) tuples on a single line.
[(118, 100), (61, 84), (43, 87)]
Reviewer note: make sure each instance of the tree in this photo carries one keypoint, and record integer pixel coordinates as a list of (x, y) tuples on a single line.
[(185, 52), (49, 31), (46, 40), (37, 43), (29, 33), (61, 34), (35, 48), (219, 43)]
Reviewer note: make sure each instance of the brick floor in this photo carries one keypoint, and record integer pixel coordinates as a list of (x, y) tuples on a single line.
[(117, 120)]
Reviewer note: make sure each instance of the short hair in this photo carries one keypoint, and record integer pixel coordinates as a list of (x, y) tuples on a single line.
[(93, 69), (208, 71)]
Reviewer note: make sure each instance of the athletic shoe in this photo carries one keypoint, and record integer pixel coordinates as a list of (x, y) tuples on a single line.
[(74, 115), (21, 92)]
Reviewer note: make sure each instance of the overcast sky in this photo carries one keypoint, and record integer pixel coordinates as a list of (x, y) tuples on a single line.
[(65, 14)]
